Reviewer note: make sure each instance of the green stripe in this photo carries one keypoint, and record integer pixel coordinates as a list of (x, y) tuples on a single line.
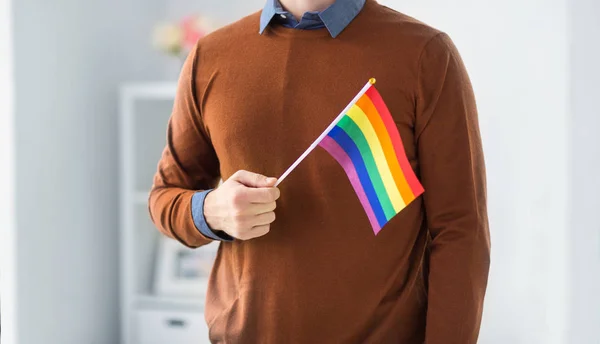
[(350, 127)]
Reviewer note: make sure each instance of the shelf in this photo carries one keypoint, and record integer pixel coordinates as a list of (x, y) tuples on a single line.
[(151, 301), (145, 109)]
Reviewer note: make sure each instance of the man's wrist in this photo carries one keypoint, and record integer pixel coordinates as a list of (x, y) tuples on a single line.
[(198, 204), (207, 210)]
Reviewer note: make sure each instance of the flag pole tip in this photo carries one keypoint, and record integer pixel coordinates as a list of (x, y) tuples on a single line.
[(372, 81)]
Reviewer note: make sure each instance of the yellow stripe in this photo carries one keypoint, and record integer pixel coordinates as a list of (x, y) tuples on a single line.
[(361, 119)]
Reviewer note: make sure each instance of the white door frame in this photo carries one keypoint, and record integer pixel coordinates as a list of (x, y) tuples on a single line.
[(7, 180)]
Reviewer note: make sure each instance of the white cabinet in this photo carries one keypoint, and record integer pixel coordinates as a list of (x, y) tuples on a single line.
[(147, 317), (173, 327)]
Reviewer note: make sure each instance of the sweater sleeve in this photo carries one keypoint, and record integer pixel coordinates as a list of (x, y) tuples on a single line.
[(453, 175), (188, 164)]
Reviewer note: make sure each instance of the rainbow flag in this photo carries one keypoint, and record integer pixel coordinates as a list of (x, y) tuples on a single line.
[(366, 143)]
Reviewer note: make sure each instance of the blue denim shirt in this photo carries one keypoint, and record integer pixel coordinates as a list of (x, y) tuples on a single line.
[(335, 18)]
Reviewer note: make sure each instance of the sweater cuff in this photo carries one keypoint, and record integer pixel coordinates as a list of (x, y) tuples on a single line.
[(200, 221)]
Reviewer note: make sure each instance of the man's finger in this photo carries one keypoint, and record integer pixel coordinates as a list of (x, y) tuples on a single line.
[(259, 231), (261, 195), (256, 232), (253, 180), (263, 219), (261, 208)]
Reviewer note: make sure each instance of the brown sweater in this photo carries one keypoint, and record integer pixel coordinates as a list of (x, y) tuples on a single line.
[(255, 102)]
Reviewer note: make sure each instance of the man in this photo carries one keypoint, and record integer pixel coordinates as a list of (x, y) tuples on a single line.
[(251, 97)]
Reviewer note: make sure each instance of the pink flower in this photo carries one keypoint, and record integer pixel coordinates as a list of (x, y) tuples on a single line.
[(193, 30), (178, 39)]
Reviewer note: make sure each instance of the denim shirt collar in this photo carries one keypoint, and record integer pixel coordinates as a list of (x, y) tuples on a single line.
[(335, 17)]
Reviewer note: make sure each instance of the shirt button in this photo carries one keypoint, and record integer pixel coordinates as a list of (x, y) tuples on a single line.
[(283, 16)]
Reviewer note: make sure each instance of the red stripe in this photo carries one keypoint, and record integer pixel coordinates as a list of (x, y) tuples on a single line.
[(392, 129)]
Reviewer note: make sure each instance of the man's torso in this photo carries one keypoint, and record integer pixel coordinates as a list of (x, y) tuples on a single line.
[(320, 275)]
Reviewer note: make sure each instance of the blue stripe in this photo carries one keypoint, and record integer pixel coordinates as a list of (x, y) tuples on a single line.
[(340, 136)]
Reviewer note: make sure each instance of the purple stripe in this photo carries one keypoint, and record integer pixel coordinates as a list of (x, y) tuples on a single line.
[(343, 159)]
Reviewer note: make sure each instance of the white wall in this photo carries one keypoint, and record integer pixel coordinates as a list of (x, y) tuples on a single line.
[(70, 56), (222, 11), (516, 53), (584, 229), (7, 222)]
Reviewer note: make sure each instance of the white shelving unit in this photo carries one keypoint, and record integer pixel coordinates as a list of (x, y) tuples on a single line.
[(148, 318)]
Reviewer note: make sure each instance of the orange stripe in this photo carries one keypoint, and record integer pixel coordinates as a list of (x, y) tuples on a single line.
[(369, 109), (388, 121)]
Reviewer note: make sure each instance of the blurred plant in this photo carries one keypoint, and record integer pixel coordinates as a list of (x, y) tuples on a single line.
[(177, 39)]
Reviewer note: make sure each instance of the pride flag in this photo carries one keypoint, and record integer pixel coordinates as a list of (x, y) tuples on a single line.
[(365, 141)]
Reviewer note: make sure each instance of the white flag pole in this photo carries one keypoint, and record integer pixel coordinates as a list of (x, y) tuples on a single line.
[(370, 83)]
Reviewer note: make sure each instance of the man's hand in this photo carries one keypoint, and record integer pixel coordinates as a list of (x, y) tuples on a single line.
[(243, 206)]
